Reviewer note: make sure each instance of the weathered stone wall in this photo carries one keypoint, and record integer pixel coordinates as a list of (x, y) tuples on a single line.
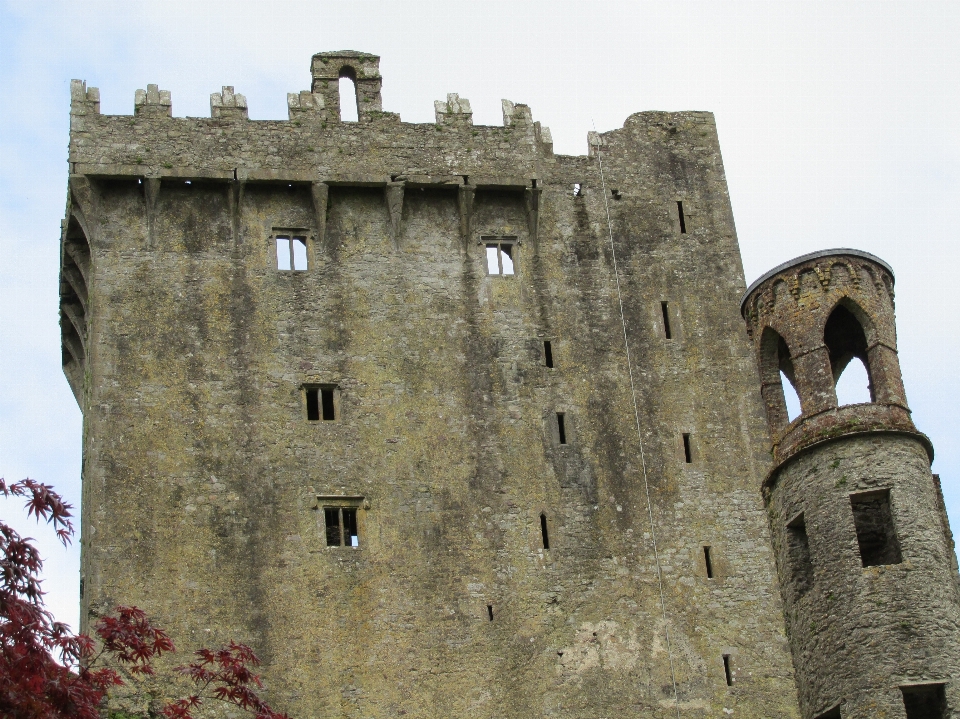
[(204, 483)]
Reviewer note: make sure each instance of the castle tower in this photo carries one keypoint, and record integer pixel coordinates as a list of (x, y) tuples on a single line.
[(864, 552), (356, 393)]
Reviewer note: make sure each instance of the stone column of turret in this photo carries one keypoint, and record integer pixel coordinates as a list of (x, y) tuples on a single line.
[(864, 552)]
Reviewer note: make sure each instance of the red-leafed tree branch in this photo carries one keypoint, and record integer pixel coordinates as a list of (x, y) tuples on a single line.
[(47, 672)]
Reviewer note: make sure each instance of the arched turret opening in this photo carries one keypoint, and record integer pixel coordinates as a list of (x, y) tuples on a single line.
[(778, 380), (349, 106), (846, 341)]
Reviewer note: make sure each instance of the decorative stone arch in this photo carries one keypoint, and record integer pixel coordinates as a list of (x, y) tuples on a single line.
[(347, 72), (848, 333), (775, 357)]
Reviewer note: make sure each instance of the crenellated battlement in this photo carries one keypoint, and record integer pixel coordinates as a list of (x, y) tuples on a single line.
[(306, 104), (321, 104), (227, 105), (455, 111), (153, 102)]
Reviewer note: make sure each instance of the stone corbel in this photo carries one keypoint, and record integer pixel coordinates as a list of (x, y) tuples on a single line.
[(234, 203), (320, 192), (394, 197), (465, 197), (78, 321), (531, 198), (151, 192), (86, 200)]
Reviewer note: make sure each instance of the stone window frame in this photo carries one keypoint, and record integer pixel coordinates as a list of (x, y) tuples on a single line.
[(291, 233), (340, 502), (512, 241)]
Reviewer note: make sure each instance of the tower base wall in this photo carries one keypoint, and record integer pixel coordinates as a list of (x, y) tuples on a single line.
[(861, 635)]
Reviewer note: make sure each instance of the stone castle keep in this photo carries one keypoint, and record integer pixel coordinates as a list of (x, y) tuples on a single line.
[(443, 424)]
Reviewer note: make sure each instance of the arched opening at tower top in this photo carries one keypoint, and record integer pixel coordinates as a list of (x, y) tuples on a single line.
[(846, 342), (790, 397), (777, 375), (349, 107)]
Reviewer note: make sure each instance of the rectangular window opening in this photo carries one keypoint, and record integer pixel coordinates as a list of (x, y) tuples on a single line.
[(500, 257), (683, 223), (351, 538), (543, 531), (727, 673), (490, 612), (313, 404), (561, 429), (341, 526), (798, 557), (687, 452), (876, 534), (666, 320), (284, 255), (547, 354), (329, 408), (291, 253), (322, 403), (708, 562), (925, 701), (506, 259), (299, 245), (331, 518)]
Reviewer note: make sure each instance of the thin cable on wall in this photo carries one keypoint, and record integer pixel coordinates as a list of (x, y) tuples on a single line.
[(636, 417)]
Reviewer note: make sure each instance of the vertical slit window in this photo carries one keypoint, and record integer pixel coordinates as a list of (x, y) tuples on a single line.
[(561, 428), (727, 672), (683, 221), (708, 562), (876, 535), (544, 533), (666, 320), (548, 354), (687, 451), (490, 612)]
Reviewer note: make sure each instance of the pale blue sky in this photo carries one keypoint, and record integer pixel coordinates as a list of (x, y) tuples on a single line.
[(838, 123)]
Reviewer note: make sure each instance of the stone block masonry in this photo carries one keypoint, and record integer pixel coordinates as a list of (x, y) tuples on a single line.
[(320, 416)]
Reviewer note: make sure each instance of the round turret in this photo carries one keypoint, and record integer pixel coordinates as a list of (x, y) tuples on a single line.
[(864, 551)]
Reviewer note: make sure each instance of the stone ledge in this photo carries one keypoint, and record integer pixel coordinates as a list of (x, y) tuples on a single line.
[(836, 423)]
